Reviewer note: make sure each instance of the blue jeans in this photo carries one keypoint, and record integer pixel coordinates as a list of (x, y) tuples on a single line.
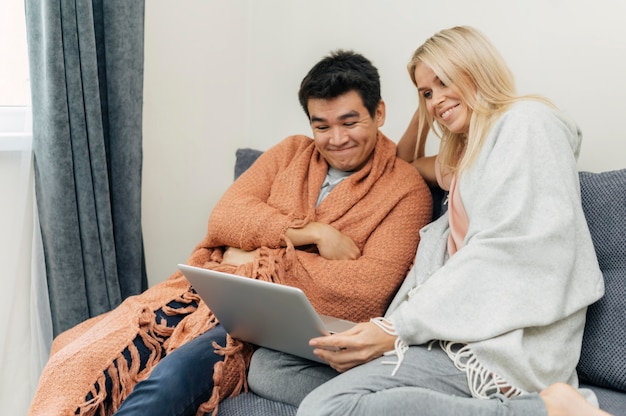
[(180, 382)]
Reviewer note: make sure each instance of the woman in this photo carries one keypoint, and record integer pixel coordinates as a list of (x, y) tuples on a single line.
[(494, 307)]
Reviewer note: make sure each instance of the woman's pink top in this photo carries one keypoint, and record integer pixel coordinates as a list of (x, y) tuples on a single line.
[(457, 216)]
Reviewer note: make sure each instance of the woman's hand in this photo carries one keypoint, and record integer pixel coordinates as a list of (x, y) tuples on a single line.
[(358, 345), (237, 257)]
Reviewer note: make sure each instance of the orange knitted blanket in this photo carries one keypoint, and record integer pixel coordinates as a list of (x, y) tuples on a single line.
[(381, 207)]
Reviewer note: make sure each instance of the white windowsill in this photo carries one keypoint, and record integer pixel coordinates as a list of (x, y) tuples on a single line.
[(15, 129)]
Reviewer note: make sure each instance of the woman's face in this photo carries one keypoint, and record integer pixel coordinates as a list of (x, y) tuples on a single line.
[(443, 102)]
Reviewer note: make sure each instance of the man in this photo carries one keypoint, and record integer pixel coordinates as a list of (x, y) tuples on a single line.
[(337, 215)]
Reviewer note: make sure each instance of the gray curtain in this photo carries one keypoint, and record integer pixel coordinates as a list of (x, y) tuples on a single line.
[(86, 66)]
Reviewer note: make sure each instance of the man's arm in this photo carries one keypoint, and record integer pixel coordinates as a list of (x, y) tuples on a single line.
[(331, 243), (242, 217), (369, 282)]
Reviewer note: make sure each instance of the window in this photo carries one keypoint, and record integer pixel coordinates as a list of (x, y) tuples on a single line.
[(15, 125), (14, 82)]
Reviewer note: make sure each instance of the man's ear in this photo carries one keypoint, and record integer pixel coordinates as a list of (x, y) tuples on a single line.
[(380, 113)]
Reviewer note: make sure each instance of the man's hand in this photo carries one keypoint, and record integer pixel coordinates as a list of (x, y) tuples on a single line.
[(237, 257), (358, 345), (334, 245), (331, 243)]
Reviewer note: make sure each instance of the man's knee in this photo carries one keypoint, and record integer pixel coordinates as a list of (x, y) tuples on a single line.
[(263, 362), (284, 377)]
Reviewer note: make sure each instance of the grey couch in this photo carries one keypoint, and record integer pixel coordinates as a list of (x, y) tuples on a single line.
[(602, 365)]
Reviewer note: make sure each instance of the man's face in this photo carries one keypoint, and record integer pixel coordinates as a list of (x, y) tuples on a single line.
[(343, 130)]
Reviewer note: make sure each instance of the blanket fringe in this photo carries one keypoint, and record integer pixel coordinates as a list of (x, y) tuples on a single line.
[(229, 376), (190, 298), (154, 335), (483, 384)]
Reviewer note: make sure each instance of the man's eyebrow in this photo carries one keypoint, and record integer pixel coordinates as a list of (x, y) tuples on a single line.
[(350, 114)]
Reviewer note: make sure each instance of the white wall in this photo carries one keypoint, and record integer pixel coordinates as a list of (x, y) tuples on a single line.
[(224, 74), (193, 121)]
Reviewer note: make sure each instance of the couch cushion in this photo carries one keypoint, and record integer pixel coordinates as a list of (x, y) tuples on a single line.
[(602, 362), (611, 401), (249, 404), (244, 158)]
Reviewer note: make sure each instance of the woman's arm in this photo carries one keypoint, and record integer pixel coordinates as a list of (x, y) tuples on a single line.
[(411, 139), (522, 246), (426, 167), (415, 138), (358, 345)]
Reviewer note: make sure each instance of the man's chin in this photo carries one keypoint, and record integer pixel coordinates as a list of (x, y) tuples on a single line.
[(344, 167)]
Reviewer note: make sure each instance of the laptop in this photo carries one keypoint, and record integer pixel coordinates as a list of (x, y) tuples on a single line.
[(268, 314)]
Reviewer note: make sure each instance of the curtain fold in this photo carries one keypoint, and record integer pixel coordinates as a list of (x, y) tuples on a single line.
[(86, 65)]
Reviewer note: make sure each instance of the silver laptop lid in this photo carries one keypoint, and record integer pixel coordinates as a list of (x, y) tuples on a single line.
[(263, 313)]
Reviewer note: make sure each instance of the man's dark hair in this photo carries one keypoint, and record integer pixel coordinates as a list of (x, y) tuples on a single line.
[(338, 73)]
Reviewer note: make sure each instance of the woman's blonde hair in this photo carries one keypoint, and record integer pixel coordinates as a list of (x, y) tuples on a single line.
[(462, 56)]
